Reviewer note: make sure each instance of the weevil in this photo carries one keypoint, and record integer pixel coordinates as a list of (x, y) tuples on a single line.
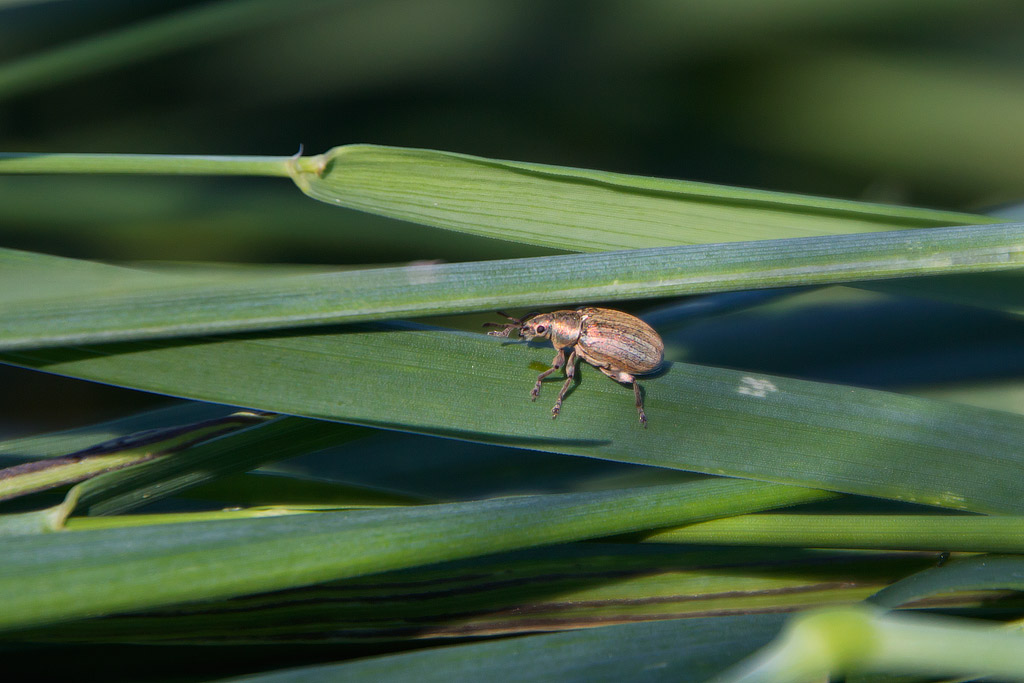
[(616, 343)]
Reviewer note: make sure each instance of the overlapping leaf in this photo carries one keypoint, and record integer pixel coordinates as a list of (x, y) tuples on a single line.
[(46, 578), (474, 387), (136, 307)]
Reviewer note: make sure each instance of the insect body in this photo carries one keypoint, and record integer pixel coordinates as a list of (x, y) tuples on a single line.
[(616, 343)]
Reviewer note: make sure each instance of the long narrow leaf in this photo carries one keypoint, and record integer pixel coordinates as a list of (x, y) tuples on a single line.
[(281, 438), (571, 586), (703, 419), (151, 479), (56, 577), (982, 573), (118, 454), (904, 532), (173, 306), (577, 209), (565, 208), (61, 443)]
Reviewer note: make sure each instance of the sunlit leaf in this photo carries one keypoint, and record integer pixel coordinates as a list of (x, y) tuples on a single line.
[(578, 209)]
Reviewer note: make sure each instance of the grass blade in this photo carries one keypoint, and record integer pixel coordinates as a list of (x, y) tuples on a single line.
[(172, 306), (572, 586), (564, 208), (125, 451), (577, 209), (152, 466), (896, 532), (61, 443), (984, 573), (55, 577), (474, 387)]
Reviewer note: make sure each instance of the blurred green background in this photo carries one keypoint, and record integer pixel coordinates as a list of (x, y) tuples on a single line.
[(903, 102)]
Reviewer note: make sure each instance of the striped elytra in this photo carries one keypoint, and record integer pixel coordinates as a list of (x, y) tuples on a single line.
[(613, 339)]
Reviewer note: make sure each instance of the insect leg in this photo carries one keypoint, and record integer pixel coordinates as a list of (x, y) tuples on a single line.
[(555, 365), (639, 402), (570, 374), (626, 378)]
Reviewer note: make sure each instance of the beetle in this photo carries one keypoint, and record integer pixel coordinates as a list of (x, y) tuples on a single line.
[(616, 343)]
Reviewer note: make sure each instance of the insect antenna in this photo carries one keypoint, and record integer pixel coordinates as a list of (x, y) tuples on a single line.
[(506, 328)]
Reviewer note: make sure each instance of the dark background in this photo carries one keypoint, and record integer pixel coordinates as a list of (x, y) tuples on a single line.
[(904, 102)]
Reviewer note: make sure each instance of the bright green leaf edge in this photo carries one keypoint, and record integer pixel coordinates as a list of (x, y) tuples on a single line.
[(120, 453), (703, 419), (282, 437), (172, 306), (168, 473), (896, 532)]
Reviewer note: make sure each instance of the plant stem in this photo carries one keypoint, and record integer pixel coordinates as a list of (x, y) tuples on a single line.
[(167, 164), (819, 644), (904, 532)]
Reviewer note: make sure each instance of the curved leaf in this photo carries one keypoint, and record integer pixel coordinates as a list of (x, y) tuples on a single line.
[(984, 573), (861, 639), (578, 209)]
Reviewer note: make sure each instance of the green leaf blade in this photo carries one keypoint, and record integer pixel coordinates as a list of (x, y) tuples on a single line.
[(578, 209), (55, 577), (474, 387), (162, 305)]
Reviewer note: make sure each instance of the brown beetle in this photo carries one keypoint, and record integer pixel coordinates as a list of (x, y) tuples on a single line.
[(616, 343)]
